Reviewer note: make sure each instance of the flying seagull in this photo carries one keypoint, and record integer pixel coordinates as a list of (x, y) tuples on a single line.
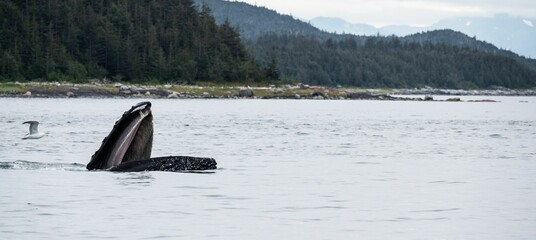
[(34, 133)]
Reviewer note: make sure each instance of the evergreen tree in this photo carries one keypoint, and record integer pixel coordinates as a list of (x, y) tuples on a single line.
[(160, 40), (388, 62)]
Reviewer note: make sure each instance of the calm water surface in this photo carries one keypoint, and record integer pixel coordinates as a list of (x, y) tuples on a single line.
[(287, 170)]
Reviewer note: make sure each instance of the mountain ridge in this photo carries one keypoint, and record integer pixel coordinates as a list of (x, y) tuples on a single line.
[(440, 58), (253, 21), (503, 31)]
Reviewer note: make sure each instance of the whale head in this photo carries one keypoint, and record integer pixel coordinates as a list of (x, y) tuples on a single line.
[(131, 139)]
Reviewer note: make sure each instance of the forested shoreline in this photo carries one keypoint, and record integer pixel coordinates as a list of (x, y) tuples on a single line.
[(141, 41), (177, 42), (439, 59), (388, 62)]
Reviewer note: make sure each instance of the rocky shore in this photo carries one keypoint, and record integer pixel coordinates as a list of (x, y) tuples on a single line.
[(300, 91), (498, 91)]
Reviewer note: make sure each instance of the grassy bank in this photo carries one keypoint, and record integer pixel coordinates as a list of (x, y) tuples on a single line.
[(100, 89)]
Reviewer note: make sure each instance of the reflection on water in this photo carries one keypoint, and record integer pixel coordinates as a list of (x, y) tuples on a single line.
[(287, 170), (137, 179)]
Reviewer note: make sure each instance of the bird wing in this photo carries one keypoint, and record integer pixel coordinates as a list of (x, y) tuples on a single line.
[(33, 126)]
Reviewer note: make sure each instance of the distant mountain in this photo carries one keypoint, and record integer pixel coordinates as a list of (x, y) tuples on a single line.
[(390, 62), (458, 39), (253, 22), (303, 53), (339, 26), (452, 38), (511, 33), (507, 32)]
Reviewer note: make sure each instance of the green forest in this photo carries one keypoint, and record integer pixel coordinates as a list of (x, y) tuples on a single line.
[(142, 41), (175, 41), (390, 62), (442, 58)]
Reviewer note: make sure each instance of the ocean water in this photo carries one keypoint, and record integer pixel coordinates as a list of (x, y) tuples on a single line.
[(287, 169)]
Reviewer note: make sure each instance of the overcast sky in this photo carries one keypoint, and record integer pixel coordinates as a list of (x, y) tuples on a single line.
[(394, 12)]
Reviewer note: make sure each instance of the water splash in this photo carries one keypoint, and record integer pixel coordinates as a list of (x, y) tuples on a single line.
[(27, 165)]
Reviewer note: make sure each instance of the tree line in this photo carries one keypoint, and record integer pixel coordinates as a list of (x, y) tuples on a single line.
[(442, 58), (175, 41), (389, 62), (156, 41)]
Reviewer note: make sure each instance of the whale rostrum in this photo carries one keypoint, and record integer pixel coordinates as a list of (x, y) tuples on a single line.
[(127, 148)]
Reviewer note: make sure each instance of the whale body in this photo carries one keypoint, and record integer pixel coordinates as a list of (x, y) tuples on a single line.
[(127, 148)]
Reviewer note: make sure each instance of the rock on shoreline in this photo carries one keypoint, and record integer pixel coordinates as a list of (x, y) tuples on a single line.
[(300, 91), (498, 91)]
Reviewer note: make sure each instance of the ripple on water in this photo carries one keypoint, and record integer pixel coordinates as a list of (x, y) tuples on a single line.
[(498, 136), (27, 165), (136, 179), (405, 166), (437, 210), (366, 163), (448, 182)]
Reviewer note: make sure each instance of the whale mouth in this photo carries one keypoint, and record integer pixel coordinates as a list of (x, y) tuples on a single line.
[(131, 139)]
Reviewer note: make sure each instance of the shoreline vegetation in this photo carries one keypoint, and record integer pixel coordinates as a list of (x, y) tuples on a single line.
[(158, 42), (105, 89)]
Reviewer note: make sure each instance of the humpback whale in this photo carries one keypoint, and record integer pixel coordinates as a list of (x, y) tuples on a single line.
[(34, 133), (127, 148)]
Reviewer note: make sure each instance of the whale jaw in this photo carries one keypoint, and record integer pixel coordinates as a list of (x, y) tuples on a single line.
[(128, 147), (131, 139)]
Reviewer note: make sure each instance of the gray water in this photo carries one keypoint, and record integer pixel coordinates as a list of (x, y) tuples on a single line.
[(287, 169)]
